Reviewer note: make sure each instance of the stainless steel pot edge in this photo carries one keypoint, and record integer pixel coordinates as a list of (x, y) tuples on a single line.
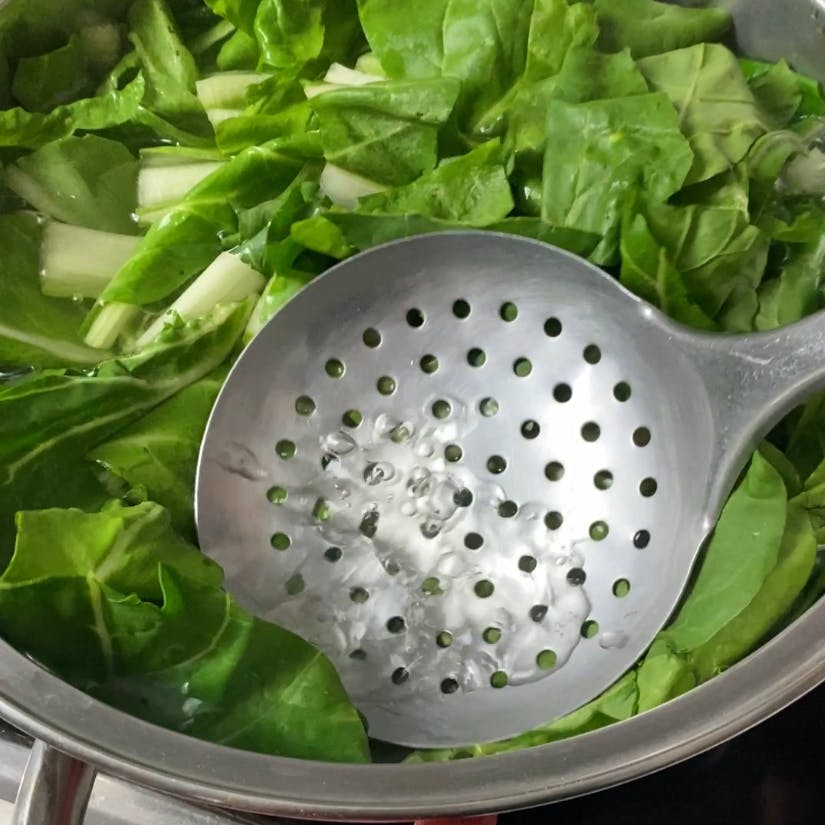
[(779, 673)]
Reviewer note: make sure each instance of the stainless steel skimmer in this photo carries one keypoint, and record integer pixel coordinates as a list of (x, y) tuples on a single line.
[(476, 472)]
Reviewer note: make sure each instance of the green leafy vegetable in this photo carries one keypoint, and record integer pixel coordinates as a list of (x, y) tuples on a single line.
[(33, 129), (599, 154), (189, 238), (54, 419), (159, 452), (34, 330), (167, 66), (717, 110), (87, 181), (648, 27), (743, 551), (275, 137), (387, 132), (141, 613)]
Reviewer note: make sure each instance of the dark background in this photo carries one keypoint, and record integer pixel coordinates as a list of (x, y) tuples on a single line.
[(772, 775)]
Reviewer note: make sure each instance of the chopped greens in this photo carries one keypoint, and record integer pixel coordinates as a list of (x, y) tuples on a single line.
[(173, 173)]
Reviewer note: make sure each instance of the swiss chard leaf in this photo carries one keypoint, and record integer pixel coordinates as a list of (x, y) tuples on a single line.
[(159, 453), (144, 625), (797, 291), (648, 27), (292, 34), (113, 107), (34, 330), (470, 189), (777, 595), (53, 79), (648, 271), (85, 181), (740, 555), (167, 66), (187, 239), (388, 131), (599, 154), (717, 110), (54, 419)]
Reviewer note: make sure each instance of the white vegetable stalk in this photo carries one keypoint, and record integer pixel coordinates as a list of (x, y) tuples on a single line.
[(226, 280), (338, 76), (109, 324), (162, 186), (345, 188), (223, 95), (80, 262)]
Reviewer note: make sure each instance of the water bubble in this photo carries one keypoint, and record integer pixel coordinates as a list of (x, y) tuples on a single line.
[(377, 472), (402, 433), (442, 503), (384, 425), (425, 448), (339, 443), (531, 512), (430, 529), (419, 483), (612, 639)]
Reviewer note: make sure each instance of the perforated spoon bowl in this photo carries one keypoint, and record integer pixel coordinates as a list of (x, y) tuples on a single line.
[(476, 472)]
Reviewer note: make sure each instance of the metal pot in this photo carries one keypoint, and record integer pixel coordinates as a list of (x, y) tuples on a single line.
[(78, 735)]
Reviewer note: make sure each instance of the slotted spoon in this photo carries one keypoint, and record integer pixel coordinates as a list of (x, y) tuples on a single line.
[(476, 472)]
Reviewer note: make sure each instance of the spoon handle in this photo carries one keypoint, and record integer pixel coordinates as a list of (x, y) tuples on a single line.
[(753, 381)]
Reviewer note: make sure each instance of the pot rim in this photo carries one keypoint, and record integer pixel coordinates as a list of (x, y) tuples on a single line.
[(764, 683)]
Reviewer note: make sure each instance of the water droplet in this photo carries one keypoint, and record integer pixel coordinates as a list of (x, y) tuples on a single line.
[(425, 448), (378, 471), (402, 433), (339, 443), (612, 639), (531, 512), (384, 425), (420, 482), (442, 503)]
